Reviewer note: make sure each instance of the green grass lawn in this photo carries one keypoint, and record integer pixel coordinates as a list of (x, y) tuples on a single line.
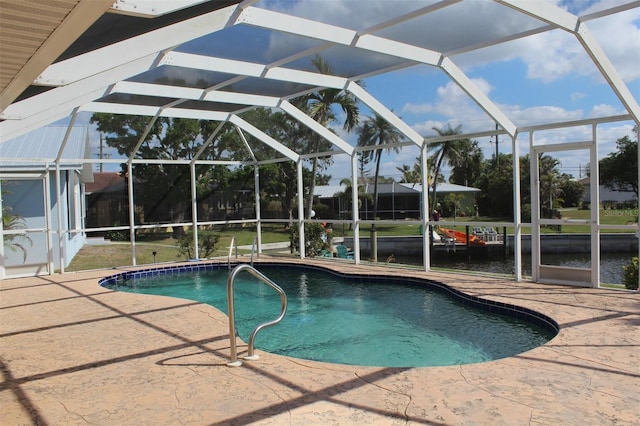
[(167, 248), (607, 217)]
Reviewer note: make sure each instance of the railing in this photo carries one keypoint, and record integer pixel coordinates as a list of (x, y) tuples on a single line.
[(232, 324), (233, 243), (253, 248)]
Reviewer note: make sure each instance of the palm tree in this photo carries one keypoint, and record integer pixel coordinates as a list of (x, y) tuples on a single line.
[(444, 152), (407, 174), (376, 131), (13, 241), (466, 167), (347, 194), (319, 106), (549, 190)]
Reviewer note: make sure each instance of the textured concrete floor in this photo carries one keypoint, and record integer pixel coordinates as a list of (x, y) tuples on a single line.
[(73, 353)]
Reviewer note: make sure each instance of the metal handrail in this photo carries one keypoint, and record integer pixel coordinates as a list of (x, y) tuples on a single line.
[(233, 241), (253, 247), (232, 324)]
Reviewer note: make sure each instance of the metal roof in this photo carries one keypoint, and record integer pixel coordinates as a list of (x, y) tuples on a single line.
[(331, 191), (328, 191), (212, 60), (443, 187), (41, 148)]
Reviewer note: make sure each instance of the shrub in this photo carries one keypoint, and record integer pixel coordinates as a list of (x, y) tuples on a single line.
[(206, 244), (316, 238), (118, 235), (630, 277), (15, 242)]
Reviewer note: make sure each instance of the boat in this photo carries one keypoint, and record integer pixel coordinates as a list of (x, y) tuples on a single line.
[(460, 237)]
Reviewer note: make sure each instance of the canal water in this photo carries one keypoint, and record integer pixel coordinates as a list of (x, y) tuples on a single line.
[(611, 264)]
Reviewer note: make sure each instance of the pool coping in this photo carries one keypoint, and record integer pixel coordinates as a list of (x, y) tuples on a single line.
[(65, 361)]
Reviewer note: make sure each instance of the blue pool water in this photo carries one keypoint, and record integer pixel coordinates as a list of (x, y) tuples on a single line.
[(364, 321)]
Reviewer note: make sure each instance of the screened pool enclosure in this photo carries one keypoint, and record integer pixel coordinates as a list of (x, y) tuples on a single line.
[(232, 65)]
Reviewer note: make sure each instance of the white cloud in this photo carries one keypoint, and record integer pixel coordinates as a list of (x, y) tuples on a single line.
[(390, 162), (556, 54), (411, 108), (548, 56), (340, 12), (576, 96), (455, 106), (574, 161), (603, 110), (540, 114), (426, 127), (619, 37)]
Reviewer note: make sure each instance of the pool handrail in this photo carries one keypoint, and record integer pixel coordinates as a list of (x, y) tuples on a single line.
[(233, 243), (232, 325), (253, 247)]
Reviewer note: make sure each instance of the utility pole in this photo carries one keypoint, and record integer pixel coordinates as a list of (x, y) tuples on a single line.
[(497, 159), (100, 152)]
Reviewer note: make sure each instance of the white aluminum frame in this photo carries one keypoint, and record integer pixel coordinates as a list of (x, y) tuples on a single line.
[(81, 81)]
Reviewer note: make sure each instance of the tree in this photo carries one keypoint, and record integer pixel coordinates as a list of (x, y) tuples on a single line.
[(496, 187), (15, 241), (363, 172), (525, 188), (571, 191), (557, 189), (376, 131), (467, 165), (452, 202), (346, 195), (164, 188), (619, 170), (319, 106), (278, 180), (414, 175), (444, 152), (630, 274), (549, 184), (410, 175)]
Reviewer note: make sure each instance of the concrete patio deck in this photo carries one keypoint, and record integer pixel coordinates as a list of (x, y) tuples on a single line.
[(74, 353)]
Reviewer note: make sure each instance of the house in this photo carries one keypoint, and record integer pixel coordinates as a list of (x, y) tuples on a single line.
[(395, 200), (107, 200), (47, 201), (608, 198)]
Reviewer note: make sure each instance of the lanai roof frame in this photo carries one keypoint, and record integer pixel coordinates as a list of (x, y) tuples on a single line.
[(80, 81)]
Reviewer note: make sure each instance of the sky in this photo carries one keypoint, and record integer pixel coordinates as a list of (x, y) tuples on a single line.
[(547, 77)]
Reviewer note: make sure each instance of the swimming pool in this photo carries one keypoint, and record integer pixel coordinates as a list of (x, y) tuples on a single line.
[(358, 320)]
